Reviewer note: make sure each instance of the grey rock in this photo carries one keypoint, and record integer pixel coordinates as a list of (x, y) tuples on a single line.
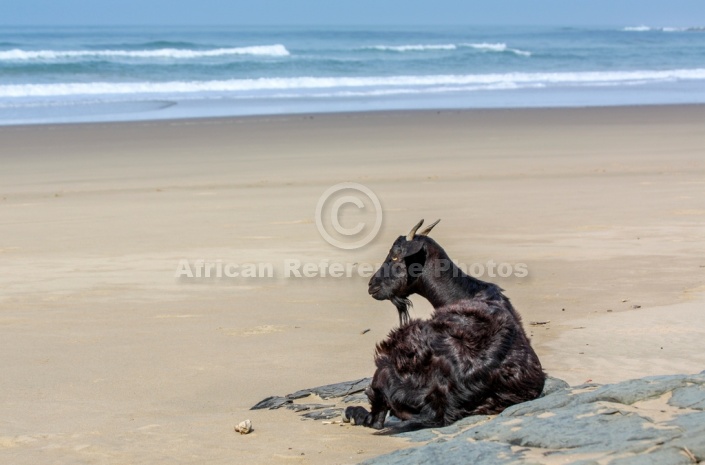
[(271, 402), (454, 452), (692, 426), (465, 423), (690, 421), (451, 430), (583, 386), (299, 394), (357, 397), (662, 456), (424, 435), (306, 407), (346, 388), (554, 385), (587, 420), (326, 414), (593, 421), (329, 391), (635, 390), (542, 404), (692, 397), (588, 427)]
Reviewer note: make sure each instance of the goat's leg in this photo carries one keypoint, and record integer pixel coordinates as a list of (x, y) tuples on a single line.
[(360, 416), (356, 415), (374, 419)]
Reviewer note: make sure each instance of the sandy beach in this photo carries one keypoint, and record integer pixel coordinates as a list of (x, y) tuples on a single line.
[(109, 356)]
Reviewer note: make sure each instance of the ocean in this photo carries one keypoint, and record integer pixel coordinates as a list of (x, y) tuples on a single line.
[(91, 74)]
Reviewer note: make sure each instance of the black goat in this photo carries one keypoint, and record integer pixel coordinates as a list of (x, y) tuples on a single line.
[(472, 357)]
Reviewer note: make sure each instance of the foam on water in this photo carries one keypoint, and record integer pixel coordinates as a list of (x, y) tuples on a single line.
[(488, 47), (277, 50), (662, 29), (637, 28), (372, 82), (497, 48), (412, 48)]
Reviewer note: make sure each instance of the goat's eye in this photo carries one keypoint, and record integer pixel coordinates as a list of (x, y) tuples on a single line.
[(395, 259)]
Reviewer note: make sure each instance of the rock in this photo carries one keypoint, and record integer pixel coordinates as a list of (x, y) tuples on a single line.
[(629, 392), (357, 397), (589, 424), (326, 414), (305, 407), (570, 424), (450, 453), (692, 397), (271, 402), (331, 391), (299, 394), (662, 456), (434, 433), (554, 385), (693, 427), (588, 427)]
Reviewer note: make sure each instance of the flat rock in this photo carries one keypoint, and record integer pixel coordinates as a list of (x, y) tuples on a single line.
[(692, 428), (331, 391), (326, 414), (553, 385), (593, 428), (661, 456), (350, 391), (271, 402), (357, 397), (635, 390), (586, 425), (590, 424), (692, 397), (450, 453), (299, 394), (328, 391), (306, 407)]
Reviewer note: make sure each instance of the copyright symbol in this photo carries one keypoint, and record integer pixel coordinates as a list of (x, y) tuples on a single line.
[(348, 215)]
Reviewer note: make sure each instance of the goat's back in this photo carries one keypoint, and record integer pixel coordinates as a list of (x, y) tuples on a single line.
[(470, 357)]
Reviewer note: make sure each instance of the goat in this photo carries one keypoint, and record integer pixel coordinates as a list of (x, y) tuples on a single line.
[(472, 357)]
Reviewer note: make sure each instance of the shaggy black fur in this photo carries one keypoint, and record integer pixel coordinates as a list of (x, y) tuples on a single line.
[(471, 357)]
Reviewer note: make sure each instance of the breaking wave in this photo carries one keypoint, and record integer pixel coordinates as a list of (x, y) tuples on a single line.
[(276, 50), (487, 47), (364, 84), (663, 29)]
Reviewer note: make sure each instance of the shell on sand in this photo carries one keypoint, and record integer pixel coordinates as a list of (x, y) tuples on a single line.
[(244, 427)]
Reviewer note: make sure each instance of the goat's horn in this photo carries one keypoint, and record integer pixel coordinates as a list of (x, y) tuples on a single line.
[(412, 233), (428, 230)]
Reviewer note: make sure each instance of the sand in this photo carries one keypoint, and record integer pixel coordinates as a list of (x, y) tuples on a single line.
[(108, 357)]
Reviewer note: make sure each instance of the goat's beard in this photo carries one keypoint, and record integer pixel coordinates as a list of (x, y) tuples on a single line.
[(402, 304)]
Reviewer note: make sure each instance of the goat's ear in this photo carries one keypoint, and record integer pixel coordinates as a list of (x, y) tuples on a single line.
[(412, 247)]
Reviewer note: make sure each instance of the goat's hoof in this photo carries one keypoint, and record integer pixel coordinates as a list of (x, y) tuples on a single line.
[(355, 415), (348, 416)]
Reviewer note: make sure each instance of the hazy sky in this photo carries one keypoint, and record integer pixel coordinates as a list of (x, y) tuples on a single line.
[(675, 13)]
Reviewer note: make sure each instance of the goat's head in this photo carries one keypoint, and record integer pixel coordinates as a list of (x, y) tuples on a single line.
[(396, 277)]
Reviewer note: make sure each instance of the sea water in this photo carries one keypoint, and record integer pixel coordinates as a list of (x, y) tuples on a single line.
[(57, 74)]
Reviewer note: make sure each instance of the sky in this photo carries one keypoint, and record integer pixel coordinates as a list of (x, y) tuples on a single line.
[(655, 13)]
